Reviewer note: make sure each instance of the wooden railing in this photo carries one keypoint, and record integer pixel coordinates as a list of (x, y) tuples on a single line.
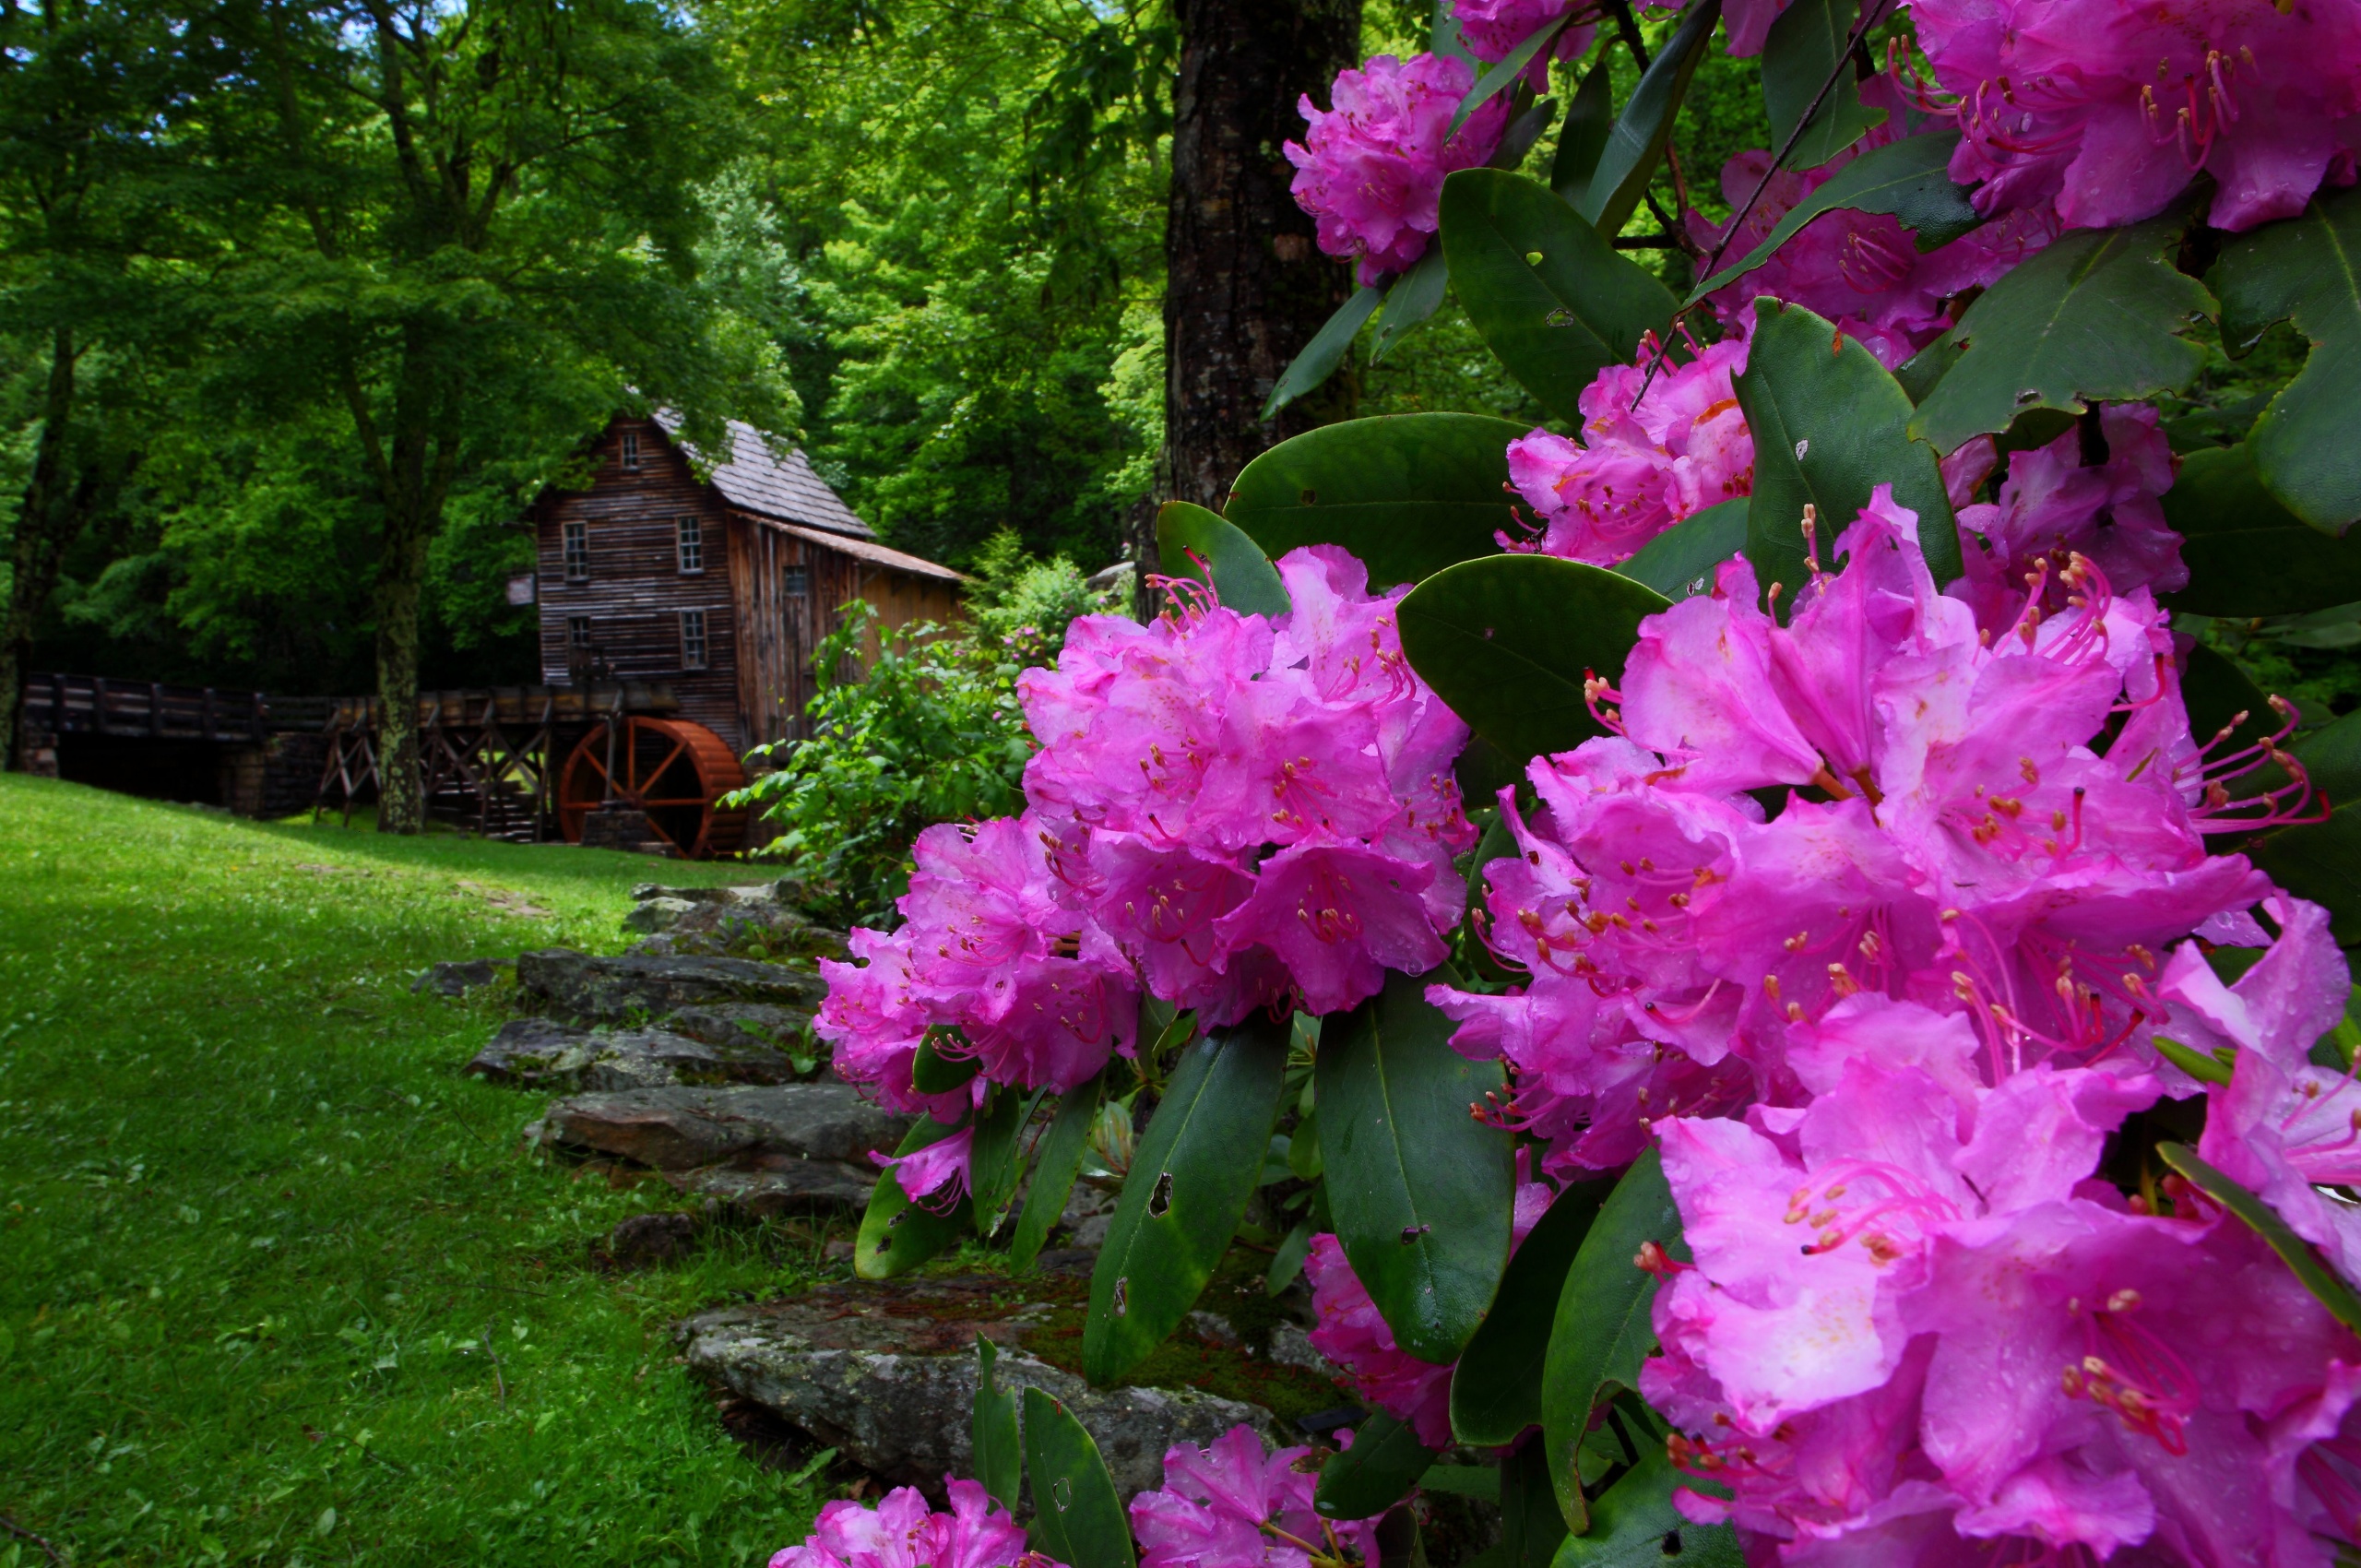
[(94, 705)]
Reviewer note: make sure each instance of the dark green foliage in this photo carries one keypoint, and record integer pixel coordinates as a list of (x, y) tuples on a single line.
[(897, 1235), (1508, 641), (1384, 1462), (1829, 428), (2307, 271), (1421, 1190), (1554, 302), (1198, 1163), (1234, 565), (1496, 1392), (1000, 1459), (1077, 1518), (1603, 1330)]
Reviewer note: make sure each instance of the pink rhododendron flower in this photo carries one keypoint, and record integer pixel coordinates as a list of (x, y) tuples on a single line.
[(1973, 850), (1863, 271), (1645, 462), (1034, 990), (1353, 1334), (1037, 989), (1912, 1318), (936, 1174), (902, 1532), (1228, 1506), (2108, 109), (1370, 170), (1493, 28), (1253, 812), (2088, 493)]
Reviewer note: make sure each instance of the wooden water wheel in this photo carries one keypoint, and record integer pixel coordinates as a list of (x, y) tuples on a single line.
[(669, 768)]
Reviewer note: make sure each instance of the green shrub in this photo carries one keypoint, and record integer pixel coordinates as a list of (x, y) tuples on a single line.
[(929, 732)]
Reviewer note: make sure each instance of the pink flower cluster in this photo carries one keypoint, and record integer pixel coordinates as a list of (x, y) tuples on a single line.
[(1354, 1337), (1231, 812), (1862, 270), (1493, 28), (1228, 1506), (1649, 460), (902, 1532), (1918, 1330), (2093, 491), (1646, 461), (1370, 170), (1256, 813), (2107, 110), (1883, 1034)]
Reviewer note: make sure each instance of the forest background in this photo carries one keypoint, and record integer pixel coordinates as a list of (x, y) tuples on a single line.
[(924, 240)]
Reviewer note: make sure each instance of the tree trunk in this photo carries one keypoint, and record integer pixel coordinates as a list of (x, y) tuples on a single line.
[(1245, 284), (415, 471), (50, 517)]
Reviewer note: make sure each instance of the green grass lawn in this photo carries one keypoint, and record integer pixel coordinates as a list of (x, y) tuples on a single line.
[(260, 1241)]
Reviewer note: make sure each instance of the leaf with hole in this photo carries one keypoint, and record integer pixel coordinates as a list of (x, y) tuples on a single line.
[(1233, 564), (1681, 560), (1602, 1330), (1407, 494), (1830, 425), (1378, 1471), (1496, 1389), (2307, 270), (897, 1235), (2099, 315), (1908, 180), (999, 1460), (2297, 1253), (1055, 1165), (1319, 359), (1078, 1519), (1549, 295), (1187, 1188), (1506, 642), (1636, 146), (1421, 1190)]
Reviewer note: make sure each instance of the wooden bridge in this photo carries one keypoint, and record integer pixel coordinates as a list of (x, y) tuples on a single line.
[(94, 705)]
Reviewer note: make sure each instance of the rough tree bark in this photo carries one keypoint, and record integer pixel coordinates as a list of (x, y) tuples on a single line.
[(1246, 286)]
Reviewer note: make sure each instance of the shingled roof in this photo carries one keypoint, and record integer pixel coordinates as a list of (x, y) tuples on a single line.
[(757, 480)]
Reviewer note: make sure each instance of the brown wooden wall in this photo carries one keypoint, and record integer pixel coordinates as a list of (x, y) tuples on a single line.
[(760, 638), (636, 590)]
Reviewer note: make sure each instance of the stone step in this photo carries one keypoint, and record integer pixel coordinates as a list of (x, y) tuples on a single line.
[(637, 988), (886, 1374), (539, 1053), (683, 1128)]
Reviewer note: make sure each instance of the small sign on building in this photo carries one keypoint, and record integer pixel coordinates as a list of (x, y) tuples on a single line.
[(521, 588)]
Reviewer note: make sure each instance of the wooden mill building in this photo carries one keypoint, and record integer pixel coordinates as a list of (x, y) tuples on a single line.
[(719, 589)]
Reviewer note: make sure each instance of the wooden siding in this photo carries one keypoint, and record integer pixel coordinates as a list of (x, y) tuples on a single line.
[(635, 590), (760, 637)]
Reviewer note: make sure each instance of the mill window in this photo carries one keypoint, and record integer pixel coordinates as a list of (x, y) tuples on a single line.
[(693, 639), (691, 535), (577, 553), (577, 631), (795, 582), (631, 448)]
